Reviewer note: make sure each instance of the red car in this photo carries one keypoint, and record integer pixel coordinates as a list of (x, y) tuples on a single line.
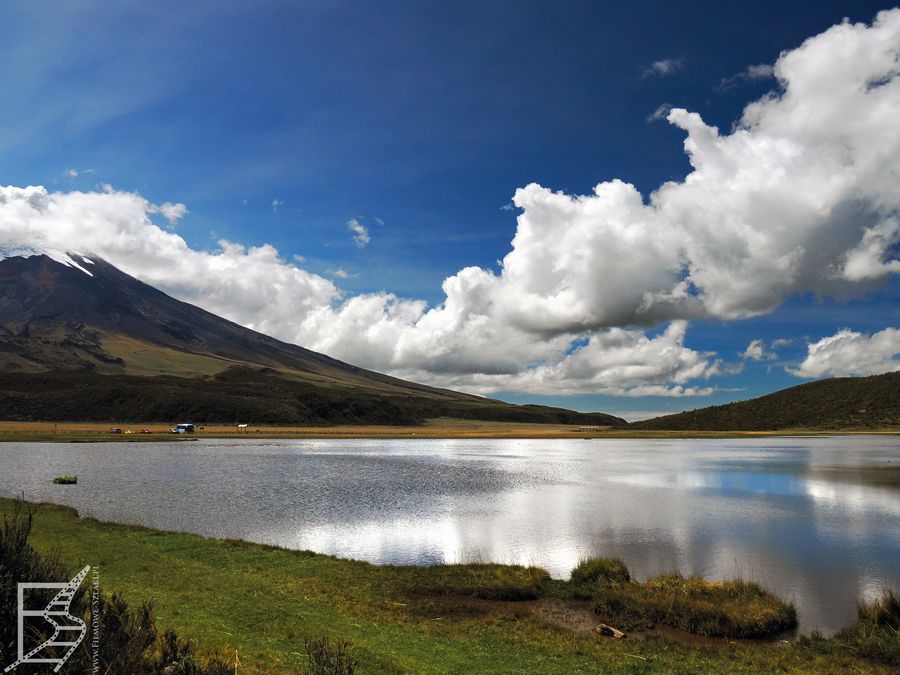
[(146, 431)]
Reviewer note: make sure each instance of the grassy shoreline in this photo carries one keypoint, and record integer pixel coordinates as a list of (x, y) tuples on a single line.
[(442, 428), (263, 602)]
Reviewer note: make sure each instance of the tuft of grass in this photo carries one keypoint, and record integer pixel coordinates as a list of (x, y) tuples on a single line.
[(884, 612), (66, 480), (876, 633), (484, 581), (734, 608), (329, 657), (593, 569), (874, 636)]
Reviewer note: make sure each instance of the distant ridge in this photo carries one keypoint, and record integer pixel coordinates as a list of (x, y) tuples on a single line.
[(840, 403), (82, 340)]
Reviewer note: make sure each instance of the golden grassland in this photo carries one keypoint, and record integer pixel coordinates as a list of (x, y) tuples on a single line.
[(434, 428)]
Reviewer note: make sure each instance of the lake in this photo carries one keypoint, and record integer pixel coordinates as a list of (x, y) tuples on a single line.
[(817, 520)]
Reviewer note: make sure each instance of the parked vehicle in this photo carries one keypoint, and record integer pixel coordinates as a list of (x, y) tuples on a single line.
[(183, 429)]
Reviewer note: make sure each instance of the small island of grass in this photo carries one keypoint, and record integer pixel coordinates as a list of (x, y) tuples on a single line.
[(734, 608), (66, 480)]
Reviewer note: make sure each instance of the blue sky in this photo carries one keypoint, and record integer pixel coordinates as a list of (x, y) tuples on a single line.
[(277, 123)]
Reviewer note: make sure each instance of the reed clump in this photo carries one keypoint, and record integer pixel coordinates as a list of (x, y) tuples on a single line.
[(874, 636), (734, 608), (593, 569)]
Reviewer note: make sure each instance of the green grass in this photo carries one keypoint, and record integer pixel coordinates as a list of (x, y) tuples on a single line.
[(265, 605), (483, 581), (66, 480)]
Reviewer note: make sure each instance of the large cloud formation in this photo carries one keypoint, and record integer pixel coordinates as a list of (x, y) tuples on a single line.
[(849, 353), (801, 196)]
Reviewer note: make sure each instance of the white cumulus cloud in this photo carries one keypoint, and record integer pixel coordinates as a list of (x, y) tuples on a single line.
[(850, 353), (616, 362), (801, 196)]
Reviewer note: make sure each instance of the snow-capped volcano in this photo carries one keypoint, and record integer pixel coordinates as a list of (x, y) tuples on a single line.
[(80, 339), (62, 257)]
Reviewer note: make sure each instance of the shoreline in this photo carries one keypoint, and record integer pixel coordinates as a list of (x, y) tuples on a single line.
[(433, 429)]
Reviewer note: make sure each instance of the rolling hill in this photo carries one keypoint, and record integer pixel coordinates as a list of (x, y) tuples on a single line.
[(837, 403), (82, 340)]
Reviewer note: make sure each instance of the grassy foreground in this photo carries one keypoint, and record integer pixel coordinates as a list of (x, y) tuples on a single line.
[(259, 605)]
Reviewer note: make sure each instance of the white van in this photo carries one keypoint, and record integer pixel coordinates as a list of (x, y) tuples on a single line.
[(183, 429)]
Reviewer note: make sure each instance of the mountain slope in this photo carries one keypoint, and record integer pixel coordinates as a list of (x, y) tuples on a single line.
[(836, 403), (80, 339), (54, 316)]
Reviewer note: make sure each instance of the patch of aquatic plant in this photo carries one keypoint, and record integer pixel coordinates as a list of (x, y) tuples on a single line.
[(66, 480), (874, 636), (884, 612), (733, 608), (593, 569), (588, 573)]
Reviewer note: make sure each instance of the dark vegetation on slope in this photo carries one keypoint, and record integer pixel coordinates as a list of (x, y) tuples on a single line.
[(245, 394), (837, 403)]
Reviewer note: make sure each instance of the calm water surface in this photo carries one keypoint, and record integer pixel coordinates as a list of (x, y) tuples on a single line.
[(816, 520)]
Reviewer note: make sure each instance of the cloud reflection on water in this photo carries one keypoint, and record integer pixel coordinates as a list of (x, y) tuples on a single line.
[(816, 520)]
